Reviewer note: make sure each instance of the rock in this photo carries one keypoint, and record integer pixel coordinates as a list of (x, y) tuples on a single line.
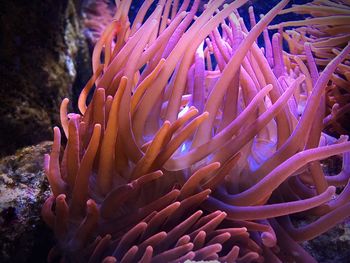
[(43, 54), (24, 237), (332, 246)]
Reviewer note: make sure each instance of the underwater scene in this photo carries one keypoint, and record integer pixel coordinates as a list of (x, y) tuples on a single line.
[(186, 131)]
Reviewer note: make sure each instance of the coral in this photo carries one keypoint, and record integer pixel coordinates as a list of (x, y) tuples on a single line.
[(197, 144)]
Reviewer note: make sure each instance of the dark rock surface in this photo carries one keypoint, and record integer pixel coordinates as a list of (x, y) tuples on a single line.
[(43, 54), (24, 237), (332, 246)]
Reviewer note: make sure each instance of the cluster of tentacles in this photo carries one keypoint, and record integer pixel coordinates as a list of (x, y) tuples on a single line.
[(97, 15), (327, 31), (197, 144)]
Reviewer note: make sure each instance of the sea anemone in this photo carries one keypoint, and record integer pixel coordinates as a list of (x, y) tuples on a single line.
[(97, 14), (326, 32), (196, 144)]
